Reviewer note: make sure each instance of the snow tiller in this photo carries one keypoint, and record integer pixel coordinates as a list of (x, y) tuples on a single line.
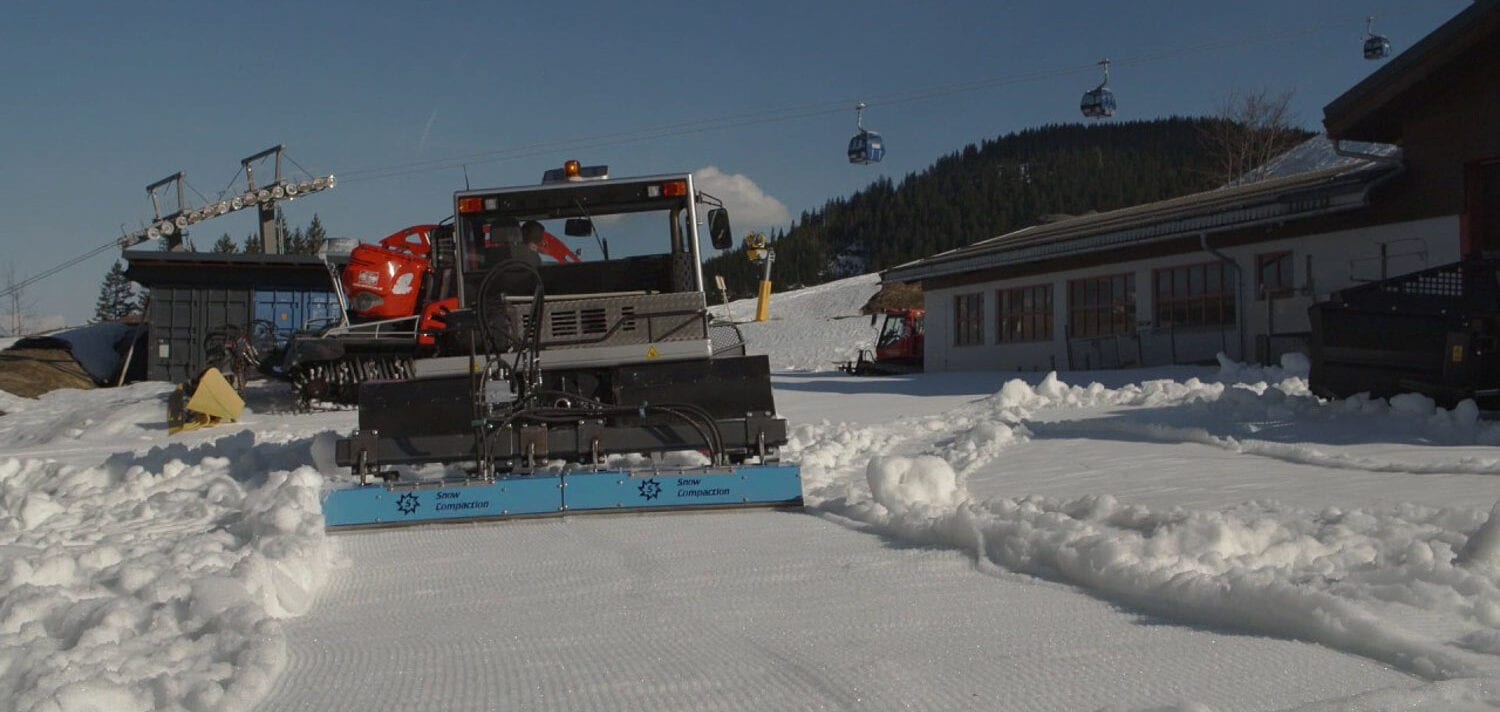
[(571, 387)]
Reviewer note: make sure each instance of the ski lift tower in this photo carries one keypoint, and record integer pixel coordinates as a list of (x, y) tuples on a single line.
[(272, 242), (172, 226)]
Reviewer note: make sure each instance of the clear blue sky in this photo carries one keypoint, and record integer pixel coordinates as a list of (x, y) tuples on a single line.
[(102, 98)]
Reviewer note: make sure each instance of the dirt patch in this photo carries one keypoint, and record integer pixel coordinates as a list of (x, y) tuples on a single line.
[(31, 372), (896, 295)]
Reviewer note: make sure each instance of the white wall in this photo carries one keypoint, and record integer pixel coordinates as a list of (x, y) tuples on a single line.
[(1337, 260)]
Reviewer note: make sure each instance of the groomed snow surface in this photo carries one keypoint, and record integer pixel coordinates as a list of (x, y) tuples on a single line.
[(1178, 539)]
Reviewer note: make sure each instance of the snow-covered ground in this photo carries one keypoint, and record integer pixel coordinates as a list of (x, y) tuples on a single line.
[(810, 329), (1174, 539)]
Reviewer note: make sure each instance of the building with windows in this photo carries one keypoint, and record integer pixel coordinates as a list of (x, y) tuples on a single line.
[(1408, 177)]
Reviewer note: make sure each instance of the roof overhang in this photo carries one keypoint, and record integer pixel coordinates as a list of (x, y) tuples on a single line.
[(1266, 203), (1373, 110), (153, 268)]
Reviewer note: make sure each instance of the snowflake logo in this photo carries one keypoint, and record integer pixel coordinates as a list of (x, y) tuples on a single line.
[(408, 503), (650, 489)]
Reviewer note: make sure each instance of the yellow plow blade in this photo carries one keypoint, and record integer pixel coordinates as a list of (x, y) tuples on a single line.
[(213, 401)]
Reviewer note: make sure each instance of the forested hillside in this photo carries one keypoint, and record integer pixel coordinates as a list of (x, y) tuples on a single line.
[(982, 191)]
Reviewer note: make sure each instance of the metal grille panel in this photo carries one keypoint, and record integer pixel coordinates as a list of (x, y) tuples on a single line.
[(1440, 283), (618, 321)]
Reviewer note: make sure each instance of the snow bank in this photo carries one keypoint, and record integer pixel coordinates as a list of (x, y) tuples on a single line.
[(1414, 587), (1293, 365), (1280, 420), (154, 581)]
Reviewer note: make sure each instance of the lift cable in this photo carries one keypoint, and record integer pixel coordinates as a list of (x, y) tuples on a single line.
[(599, 140), (229, 188), (730, 121), (791, 113), (201, 196), (23, 284), (722, 123), (294, 162)]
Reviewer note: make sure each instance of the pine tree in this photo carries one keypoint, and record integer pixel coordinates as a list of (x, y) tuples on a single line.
[(315, 236), (252, 245), (981, 191), (226, 245), (295, 243), (116, 296)]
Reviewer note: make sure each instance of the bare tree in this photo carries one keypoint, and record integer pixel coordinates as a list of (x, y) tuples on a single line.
[(17, 309), (1251, 129)]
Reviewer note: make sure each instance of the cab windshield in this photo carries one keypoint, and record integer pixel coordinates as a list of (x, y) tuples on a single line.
[(593, 240)]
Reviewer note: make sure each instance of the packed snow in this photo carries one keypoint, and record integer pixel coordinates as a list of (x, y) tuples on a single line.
[(1170, 539)]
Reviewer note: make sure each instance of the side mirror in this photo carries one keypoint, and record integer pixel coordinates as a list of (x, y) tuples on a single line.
[(719, 232), (578, 227)]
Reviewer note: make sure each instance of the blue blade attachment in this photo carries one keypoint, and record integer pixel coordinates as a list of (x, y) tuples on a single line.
[(555, 494)]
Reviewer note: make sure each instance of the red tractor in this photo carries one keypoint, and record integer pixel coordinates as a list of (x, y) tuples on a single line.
[(386, 280), (400, 294), (898, 349), (431, 293), (545, 371)]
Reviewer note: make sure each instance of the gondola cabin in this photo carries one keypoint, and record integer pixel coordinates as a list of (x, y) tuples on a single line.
[(1098, 103), (866, 147), (1376, 46)]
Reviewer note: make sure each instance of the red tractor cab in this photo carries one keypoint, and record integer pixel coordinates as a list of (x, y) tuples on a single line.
[(384, 281), (898, 349)]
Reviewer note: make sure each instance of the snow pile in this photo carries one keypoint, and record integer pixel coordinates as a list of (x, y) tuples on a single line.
[(1414, 587), (152, 580), (1293, 365), (810, 329), (914, 484)]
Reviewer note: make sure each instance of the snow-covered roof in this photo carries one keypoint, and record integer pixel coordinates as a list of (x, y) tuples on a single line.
[(1343, 185), (1316, 154), (98, 348)]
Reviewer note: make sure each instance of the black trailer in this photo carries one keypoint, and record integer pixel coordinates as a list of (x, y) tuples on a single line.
[(1432, 332), (197, 297)]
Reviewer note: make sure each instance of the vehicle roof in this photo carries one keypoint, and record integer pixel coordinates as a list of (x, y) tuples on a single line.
[(572, 185)]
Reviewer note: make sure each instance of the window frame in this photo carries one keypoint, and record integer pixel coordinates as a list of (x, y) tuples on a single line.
[(1027, 311), (1181, 298), (1288, 273), (968, 324), (1102, 306)]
